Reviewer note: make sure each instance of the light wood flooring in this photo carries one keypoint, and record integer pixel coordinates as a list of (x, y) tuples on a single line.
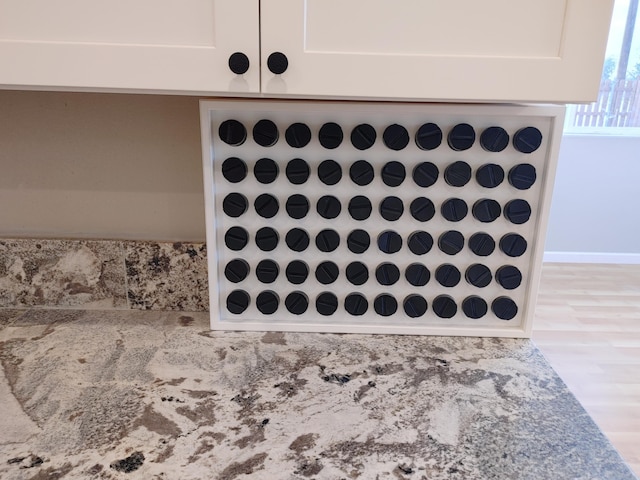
[(587, 324)]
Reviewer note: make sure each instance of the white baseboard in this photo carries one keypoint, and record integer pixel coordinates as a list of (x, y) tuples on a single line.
[(592, 257)]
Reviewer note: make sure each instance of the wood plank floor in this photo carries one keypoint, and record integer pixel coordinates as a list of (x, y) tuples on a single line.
[(587, 324)]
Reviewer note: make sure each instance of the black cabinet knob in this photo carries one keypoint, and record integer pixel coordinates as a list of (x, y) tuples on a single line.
[(238, 63), (277, 63)]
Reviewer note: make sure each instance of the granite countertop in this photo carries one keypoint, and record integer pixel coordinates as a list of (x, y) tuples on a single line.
[(156, 395)]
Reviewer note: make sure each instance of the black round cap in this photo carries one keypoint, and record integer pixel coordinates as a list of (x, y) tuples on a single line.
[(329, 172), (389, 242), (297, 272), (326, 303), (420, 242), (461, 137), (265, 133), (327, 272), (234, 204), (297, 303), (482, 244), (393, 174), (518, 211), (448, 275), (356, 304), (391, 208), (297, 171), (451, 242), (417, 275), (238, 63), (385, 305), (357, 273), (494, 139), (267, 239), (236, 270), (265, 170), (454, 209), (363, 136), (297, 206), (395, 137), (236, 238), (387, 274), (428, 136), (425, 174), (330, 135), (527, 140), (267, 302), (234, 170), (415, 306), (522, 176), (474, 307), (444, 306), (486, 210), (266, 205), (458, 174), (298, 135), (509, 277), (277, 63), (267, 271), (358, 241), (513, 245), (360, 207), (328, 206), (232, 132), (504, 308), (478, 275), (361, 173), (422, 209), (297, 239), (238, 301), (490, 175), (327, 240)]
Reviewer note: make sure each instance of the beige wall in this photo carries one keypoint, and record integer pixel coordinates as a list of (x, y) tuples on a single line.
[(84, 165)]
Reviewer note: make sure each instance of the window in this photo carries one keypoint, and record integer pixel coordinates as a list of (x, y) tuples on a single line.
[(617, 110)]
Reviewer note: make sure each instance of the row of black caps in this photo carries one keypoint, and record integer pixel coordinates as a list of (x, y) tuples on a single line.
[(393, 174), (395, 137), (444, 306), (357, 273), (391, 208), (450, 242)]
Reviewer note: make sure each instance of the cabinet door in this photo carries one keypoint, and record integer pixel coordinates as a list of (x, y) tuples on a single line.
[(173, 46), (475, 50)]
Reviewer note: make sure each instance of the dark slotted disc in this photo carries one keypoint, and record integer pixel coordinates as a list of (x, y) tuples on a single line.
[(297, 171), (326, 303), (420, 242), (387, 274), (357, 273), (389, 242), (330, 135), (509, 277), (527, 140), (504, 308), (391, 208), (393, 174), (358, 241), (385, 305), (297, 239), (486, 210), (356, 304), (297, 303), (425, 174), (494, 139), (238, 301), (267, 302), (518, 211), (234, 204), (267, 271), (328, 206), (297, 206), (451, 242), (395, 137), (266, 205), (522, 176), (232, 132), (422, 209), (363, 136), (236, 238), (327, 272), (360, 207), (297, 272), (329, 172), (461, 137), (482, 244), (478, 275), (474, 307), (265, 133), (454, 209), (361, 173), (457, 174), (327, 240), (265, 170), (267, 239), (297, 135), (417, 275), (490, 175), (415, 306), (429, 136), (513, 245), (234, 170), (448, 275), (236, 270), (444, 306)]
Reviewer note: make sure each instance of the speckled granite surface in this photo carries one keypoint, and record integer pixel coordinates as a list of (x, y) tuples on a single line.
[(156, 395)]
